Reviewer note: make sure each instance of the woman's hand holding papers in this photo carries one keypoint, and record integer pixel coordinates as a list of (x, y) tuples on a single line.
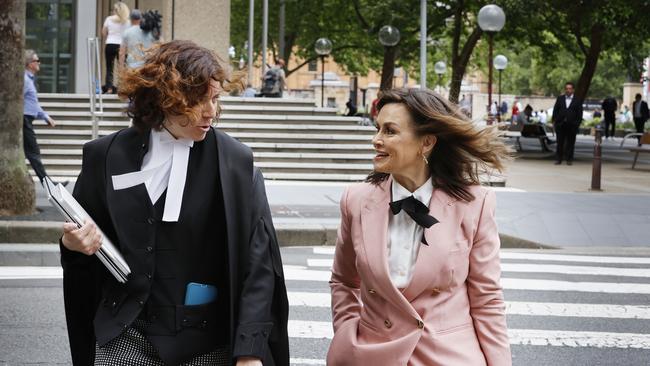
[(85, 239)]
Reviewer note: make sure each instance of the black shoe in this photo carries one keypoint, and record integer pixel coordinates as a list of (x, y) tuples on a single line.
[(569, 162), (558, 162)]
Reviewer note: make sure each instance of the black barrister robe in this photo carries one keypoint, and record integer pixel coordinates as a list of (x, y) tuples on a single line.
[(258, 301)]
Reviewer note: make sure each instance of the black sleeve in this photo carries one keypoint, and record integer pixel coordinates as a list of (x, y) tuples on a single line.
[(257, 316), (82, 273), (556, 110)]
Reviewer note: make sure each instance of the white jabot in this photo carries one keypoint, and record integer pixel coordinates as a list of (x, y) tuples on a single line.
[(164, 167), (405, 235), (568, 99)]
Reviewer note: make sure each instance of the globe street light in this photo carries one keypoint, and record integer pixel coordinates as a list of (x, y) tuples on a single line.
[(500, 63), (389, 37), (440, 68), (491, 19), (323, 47)]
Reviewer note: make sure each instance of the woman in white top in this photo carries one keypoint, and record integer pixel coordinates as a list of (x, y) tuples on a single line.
[(114, 25)]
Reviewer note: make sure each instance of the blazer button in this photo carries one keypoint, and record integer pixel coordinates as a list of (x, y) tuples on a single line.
[(141, 303), (372, 291), (420, 324), (388, 323), (435, 291), (151, 221), (149, 249)]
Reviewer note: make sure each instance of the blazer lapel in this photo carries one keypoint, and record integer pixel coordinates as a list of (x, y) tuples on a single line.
[(374, 227), (439, 237), (125, 156)]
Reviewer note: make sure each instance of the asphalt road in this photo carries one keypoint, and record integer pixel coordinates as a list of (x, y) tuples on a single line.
[(563, 309)]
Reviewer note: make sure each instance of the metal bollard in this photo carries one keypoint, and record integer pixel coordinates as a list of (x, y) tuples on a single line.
[(595, 169)]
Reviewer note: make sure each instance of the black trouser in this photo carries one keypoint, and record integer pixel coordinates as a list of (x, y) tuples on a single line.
[(110, 52), (32, 151), (610, 120), (566, 141), (639, 123)]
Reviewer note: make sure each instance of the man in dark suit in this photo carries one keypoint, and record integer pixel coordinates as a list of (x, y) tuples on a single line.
[(567, 116), (641, 114), (609, 108)]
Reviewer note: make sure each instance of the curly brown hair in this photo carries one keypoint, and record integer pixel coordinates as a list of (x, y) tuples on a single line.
[(461, 152), (174, 80)]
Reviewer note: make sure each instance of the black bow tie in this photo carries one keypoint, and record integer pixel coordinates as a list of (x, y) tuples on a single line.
[(417, 210)]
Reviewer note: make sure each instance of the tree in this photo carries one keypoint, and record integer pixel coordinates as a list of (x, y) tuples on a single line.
[(16, 187), (588, 29)]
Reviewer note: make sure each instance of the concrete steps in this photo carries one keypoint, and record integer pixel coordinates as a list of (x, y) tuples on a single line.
[(291, 139)]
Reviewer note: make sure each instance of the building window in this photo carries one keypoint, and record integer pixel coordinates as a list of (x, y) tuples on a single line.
[(313, 65), (49, 31)]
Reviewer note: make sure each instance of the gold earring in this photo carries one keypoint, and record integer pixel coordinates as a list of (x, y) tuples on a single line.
[(425, 159)]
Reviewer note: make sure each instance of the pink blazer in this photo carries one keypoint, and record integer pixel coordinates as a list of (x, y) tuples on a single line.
[(451, 313)]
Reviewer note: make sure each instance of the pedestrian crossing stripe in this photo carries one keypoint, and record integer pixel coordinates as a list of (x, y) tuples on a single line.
[(300, 273), (323, 330), (540, 268), (323, 300), (530, 256)]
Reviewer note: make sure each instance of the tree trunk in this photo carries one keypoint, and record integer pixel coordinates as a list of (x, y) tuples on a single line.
[(388, 68), (591, 61), (459, 64), (16, 186)]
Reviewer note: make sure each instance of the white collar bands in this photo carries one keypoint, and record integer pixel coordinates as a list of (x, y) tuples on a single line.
[(164, 167), (422, 194)]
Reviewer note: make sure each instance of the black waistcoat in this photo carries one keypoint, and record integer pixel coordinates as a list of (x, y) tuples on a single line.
[(165, 257)]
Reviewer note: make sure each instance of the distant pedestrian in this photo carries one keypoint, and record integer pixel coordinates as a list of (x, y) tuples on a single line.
[(543, 116), (597, 113), (351, 108), (515, 111), (31, 111), (138, 39), (504, 108), (567, 116), (250, 92), (114, 26), (274, 82), (609, 109), (494, 109), (641, 114), (466, 106)]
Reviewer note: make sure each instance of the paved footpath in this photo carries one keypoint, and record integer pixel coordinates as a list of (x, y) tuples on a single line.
[(562, 308)]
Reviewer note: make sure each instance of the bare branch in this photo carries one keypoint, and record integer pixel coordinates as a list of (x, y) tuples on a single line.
[(362, 20)]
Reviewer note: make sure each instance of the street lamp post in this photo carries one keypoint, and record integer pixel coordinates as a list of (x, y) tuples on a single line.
[(491, 19), (323, 47), (500, 63), (389, 37), (440, 68)]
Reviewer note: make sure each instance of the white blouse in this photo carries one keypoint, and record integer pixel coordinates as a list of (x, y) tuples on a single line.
[(405, 235), (164, 167)]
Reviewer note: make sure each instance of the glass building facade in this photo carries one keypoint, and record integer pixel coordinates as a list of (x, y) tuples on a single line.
[(50, 30)]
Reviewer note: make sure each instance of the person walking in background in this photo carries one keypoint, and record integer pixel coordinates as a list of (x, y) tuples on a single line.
[(567, 116), (416, 271), (274, 83), (641, 114), (609, 106), (515, 111), (114, 26), (137, 40), (32, 111)]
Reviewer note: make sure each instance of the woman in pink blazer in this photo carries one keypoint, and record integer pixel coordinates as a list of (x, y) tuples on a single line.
[(416, 273)]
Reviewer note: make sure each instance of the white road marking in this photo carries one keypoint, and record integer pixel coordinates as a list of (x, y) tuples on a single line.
[(14, 273), (323, 330), (574, 258), (323, 300), (306, 361), (295, 273), (539, 268), (542, 257)]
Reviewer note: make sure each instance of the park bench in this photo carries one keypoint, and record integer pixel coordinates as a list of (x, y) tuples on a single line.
[(644, 144), (517, 131)]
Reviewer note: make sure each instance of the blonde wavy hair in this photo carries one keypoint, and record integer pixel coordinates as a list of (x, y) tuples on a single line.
[(121, 11)]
